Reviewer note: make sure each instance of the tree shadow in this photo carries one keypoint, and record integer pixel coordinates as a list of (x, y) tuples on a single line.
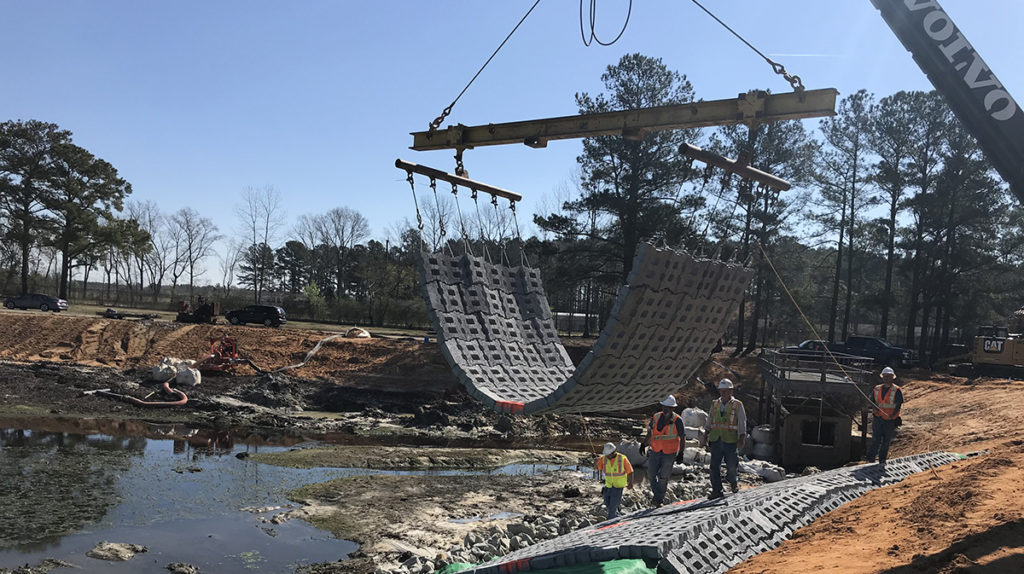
[(960, 556)]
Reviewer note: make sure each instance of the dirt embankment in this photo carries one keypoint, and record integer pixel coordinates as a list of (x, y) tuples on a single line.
[(964, 517)]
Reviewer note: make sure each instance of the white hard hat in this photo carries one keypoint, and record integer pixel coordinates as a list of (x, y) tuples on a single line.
[(608, 448), (725, 384), (669, 401), (888, 371)]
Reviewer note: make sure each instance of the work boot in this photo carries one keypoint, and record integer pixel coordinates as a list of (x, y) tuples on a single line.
[(715, 495), (734, 487)]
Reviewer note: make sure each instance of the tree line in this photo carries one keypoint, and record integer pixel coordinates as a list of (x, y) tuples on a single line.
[(895, 225)]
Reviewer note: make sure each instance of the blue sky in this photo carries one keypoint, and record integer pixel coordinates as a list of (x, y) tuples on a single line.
[(193, 101)]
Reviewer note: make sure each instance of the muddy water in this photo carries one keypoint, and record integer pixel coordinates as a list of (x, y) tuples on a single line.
[(187, 495), (62, 493)]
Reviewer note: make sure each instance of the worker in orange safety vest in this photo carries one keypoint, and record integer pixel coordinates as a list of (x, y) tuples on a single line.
[(616, 469), (665, 433), (888, 400)]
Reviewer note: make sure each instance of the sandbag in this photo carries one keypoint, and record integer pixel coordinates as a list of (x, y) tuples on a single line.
[(696, 456), (190, 377), (696, 433), (631, 449), (763, 433), (695, 418), (169, 367), (763, 450)]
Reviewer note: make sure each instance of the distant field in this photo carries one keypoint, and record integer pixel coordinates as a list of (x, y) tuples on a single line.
[(97, 310)]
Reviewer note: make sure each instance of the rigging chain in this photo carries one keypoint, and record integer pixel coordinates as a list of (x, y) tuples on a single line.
[(794, 81), (462, 222), (419, 216)]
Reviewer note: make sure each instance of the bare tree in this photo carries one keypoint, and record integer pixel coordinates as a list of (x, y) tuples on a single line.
[(341, 229), (229, 258), (195, 242), (261, 217)]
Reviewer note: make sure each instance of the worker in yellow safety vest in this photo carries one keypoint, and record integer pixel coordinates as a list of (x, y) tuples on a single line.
[(727, 429), (664, 434), (616, 469), (888, 402)]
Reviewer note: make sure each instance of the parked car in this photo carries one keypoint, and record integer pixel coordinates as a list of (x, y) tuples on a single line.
[(813, 347), (269, 315), (881, 351), (37, 301), (875, 348)]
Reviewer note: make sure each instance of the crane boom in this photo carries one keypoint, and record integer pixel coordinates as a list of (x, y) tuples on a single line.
[(973, 92)]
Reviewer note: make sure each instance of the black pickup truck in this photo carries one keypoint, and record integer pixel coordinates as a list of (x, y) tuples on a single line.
[(881, 351), (877, 349)]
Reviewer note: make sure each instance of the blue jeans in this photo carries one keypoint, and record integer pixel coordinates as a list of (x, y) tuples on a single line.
[(719, 450), (659, 470), (612, 498), (882, 433)]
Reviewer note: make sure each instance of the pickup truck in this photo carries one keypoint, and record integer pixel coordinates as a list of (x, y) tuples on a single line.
[(877, 349), (881, 351)]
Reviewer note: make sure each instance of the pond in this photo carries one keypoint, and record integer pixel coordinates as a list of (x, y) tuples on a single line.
[(192, 497)]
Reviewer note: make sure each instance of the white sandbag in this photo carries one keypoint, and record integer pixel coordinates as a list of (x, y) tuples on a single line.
[(694, 433), (631, 449), (763, 451), (172, 368), (692, 444), (763, 433), (357, 333), (190, 377), (772, 473), (696, 456), (695, 418)]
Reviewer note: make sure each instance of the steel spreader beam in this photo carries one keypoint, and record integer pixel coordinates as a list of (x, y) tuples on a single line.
[(457, 180), (752, 107)]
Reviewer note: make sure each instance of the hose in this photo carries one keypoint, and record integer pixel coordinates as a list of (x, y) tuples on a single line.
[(142, 403)]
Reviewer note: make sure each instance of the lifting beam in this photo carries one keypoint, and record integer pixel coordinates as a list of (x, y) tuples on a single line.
[(457, 180), (750, 108)]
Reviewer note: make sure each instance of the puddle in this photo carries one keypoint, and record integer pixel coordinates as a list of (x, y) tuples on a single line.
[(62, 493), (180, 492)]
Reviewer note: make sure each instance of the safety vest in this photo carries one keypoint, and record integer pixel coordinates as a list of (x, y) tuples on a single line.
[(724, 427), (666, 440), (615, 471), (887, 405)]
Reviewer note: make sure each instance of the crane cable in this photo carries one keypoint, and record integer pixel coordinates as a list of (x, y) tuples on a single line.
[(593, 17), (794, 81), (437, 121), (810, 326)]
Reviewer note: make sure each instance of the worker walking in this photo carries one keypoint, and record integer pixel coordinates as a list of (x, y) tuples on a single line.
[(888, 402), (616, 469), (726, 427), (664, 435)]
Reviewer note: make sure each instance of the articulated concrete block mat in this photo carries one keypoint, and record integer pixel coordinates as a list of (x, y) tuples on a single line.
[(713, 536), (498, 334)]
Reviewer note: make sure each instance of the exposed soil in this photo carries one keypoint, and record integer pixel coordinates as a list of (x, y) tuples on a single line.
[(964, 517)]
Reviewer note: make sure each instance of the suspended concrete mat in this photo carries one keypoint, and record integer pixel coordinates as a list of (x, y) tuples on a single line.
[(497, 332), (706, 537)]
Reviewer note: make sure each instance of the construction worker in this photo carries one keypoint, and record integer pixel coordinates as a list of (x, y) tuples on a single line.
[(664, 435), (726, 427), (617, 470), (888, 402)]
